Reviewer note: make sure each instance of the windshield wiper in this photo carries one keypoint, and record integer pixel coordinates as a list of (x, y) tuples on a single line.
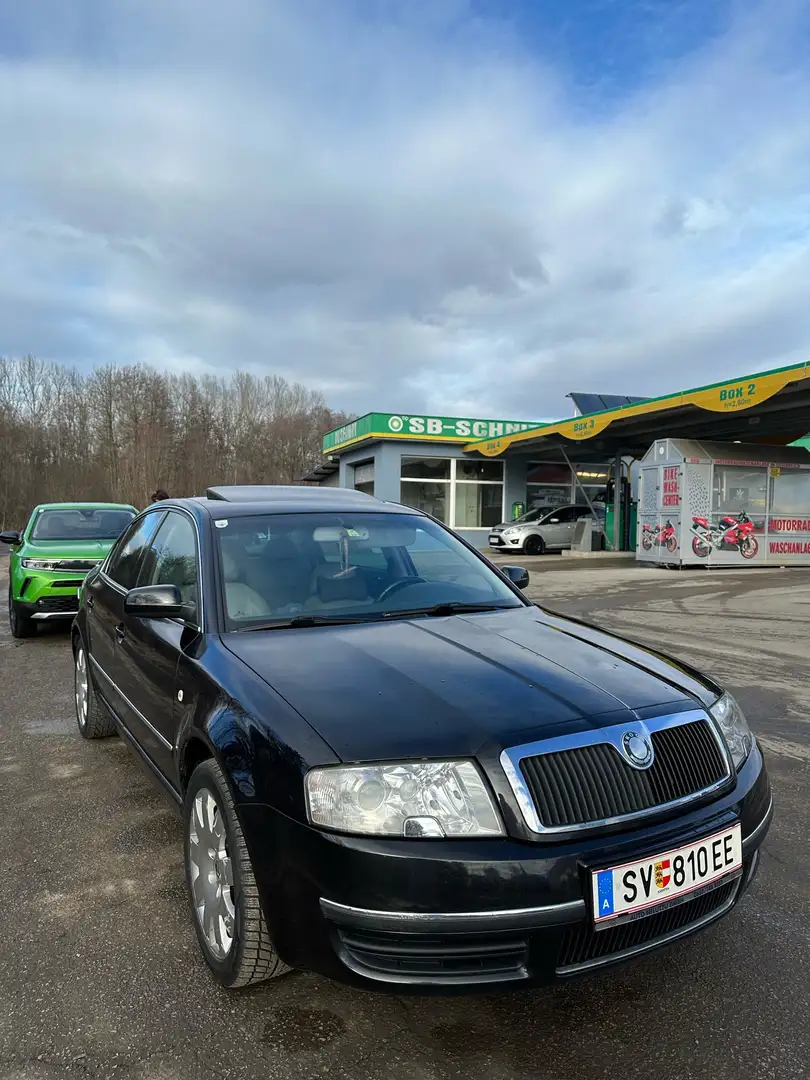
[(450, 607), (313, 620)]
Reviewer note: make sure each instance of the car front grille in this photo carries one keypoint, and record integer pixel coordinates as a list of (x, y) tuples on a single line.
[(583, 947), (58, 604), (593, 783), (420, 958)]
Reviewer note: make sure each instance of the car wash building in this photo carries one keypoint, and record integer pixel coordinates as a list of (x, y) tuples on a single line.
[(473, 473)]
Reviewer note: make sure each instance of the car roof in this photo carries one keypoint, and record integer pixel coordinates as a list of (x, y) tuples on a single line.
[(251, 501)]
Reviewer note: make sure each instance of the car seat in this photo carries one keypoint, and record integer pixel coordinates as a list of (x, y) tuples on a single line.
[(242, 601), (280, 574)]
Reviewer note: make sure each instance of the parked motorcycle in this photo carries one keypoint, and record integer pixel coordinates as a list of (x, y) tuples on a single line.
[(731, 534), (659, 536)]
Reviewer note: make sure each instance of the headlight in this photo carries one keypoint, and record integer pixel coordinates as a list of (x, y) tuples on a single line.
[(734, 726), (511, 532), (39, 564), (413, 799)]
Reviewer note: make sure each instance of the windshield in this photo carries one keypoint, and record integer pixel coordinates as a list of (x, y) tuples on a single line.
[(309, 567), (533, 515), (87, 523)]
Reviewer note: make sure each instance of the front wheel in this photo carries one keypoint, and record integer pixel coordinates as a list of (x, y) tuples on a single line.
[(701, 547), (222, 890), (672, 543), (21, 626), (749, 546), (534, 545), (93, 720)]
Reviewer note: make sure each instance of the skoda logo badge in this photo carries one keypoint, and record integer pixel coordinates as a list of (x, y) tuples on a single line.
[(637, 749)]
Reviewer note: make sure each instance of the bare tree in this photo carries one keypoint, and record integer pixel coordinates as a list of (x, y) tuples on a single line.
[(118, 433)]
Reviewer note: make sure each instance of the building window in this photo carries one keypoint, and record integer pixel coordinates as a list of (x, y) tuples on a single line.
[(464, 494), (739, 488), (478, 506), (427, 496), (426, 468), (364, 477)]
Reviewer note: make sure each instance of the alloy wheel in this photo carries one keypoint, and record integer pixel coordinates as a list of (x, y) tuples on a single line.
[(82, 686), (211, 873)]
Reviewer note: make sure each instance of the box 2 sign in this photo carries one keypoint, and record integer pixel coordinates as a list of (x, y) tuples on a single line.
[(672, 487)]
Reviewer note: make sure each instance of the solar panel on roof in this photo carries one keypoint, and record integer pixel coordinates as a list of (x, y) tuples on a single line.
[(591, 403)]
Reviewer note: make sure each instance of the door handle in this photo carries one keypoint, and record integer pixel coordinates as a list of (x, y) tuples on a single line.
[(120, 632)]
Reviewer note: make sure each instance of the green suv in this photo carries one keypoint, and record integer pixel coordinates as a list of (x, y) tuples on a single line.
[(52, 555)]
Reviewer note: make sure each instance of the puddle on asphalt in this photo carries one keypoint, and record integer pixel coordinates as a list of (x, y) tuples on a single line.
[(48, 727), (295, 1030)]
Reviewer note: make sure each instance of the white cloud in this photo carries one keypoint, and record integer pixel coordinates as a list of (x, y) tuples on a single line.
[(410, 215)]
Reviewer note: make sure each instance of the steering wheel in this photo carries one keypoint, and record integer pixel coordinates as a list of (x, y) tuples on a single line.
[(396, 586)]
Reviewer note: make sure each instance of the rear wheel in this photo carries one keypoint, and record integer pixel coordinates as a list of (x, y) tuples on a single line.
[(92, 718), (700, 547), (21, 626), (534, 545), (222, 890), (646, 541)]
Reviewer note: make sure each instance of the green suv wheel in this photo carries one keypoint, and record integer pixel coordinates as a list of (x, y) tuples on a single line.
[(21, 625)]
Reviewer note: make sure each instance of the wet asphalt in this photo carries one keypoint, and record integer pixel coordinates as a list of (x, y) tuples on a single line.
[(99, 969)]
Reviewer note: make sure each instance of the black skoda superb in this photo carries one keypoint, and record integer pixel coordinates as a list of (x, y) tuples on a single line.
[(395, 770)]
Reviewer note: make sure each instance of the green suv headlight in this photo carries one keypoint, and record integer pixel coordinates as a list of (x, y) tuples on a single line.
[(732, 723), (40, 564)]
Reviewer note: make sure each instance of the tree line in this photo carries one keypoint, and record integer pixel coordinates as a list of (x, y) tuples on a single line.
[(118, 433)]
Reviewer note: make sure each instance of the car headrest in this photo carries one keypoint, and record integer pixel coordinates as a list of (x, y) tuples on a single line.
[(230, 567), (281, 547)]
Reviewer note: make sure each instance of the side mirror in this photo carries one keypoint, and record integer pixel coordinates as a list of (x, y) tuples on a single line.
[(518, 575), (10, 537), (155, 602)]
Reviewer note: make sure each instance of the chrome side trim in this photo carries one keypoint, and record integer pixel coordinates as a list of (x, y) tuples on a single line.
[(510, 763), (97, 667), (664, 939), (411, 922), (753, 839), (54, 615)]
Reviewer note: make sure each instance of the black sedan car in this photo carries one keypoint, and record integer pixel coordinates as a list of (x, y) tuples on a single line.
[(395, 770)]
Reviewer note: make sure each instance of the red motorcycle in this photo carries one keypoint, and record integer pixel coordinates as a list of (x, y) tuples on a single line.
[(732, 534), (660, 536)]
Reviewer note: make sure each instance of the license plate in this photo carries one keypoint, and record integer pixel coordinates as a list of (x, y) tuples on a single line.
[(496, 540), (634, 889)]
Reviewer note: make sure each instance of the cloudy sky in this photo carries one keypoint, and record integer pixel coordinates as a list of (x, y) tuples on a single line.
[(466, 207)]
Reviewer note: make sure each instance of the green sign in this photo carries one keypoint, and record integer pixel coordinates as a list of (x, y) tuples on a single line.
[(422, 428)]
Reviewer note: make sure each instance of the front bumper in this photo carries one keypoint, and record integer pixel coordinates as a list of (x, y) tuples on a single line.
[(46, 595), (449, 916), (498, 543)]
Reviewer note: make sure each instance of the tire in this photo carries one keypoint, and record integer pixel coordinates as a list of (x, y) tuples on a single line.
[(534, 545), (234, 905), (646, 541), (700, 547), (21, 626), (92, 719), (672, 544), (749, 547)]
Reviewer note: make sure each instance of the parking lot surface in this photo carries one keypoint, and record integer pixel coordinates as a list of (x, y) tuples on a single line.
[(99, 969)]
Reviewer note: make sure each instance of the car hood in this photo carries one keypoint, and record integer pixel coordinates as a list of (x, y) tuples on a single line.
[(66, 549), (450, 686)]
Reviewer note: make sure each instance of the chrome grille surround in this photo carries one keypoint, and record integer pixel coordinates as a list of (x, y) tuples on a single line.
[(613, 736)]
